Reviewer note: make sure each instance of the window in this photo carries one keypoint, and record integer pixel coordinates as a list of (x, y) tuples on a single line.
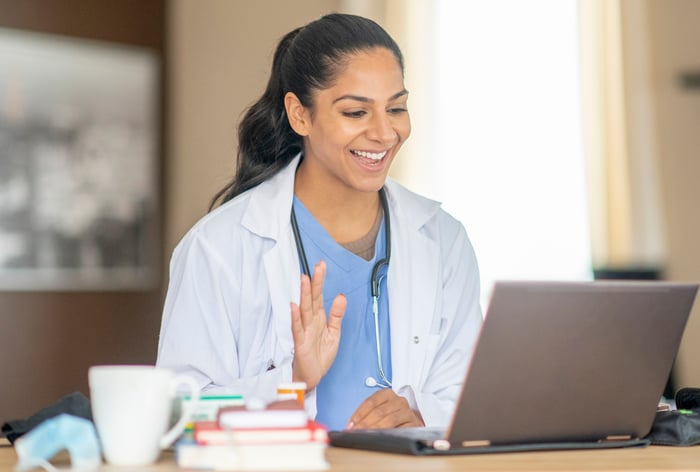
[(508, 159)]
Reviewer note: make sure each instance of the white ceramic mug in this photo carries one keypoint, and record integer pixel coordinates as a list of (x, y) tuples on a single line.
[(131, 407)]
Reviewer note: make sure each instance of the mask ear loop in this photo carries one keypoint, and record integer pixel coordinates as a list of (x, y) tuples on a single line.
[(44, 464)]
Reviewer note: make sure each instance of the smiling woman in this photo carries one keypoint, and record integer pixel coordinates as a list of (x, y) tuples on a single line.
[(293, 276)]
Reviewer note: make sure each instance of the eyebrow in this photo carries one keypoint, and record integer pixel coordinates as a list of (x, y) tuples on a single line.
[(359, 98)]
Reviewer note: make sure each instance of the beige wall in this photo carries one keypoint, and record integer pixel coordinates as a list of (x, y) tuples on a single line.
[(675, 37), (220, 58)]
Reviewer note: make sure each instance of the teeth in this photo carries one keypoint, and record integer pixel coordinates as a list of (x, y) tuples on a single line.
[(370, 155)]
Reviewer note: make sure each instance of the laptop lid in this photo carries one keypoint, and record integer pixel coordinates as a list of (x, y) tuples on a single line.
[(570, 362)]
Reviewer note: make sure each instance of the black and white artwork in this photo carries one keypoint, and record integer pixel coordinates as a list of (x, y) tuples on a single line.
[(78, 186)]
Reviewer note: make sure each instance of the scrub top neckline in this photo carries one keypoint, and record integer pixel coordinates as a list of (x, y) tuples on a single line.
[(313, 233)]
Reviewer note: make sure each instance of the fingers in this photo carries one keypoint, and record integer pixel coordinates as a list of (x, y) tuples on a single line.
[(297, 325), (317, 289), (311, 296), (336, 313), (305, 301), (384, 409), (359, 418)]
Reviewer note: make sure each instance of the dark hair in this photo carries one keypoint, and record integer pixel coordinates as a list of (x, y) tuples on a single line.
[(306, 59)]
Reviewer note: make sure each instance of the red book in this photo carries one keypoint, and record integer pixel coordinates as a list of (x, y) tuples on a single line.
[(209, 433), (278, 414)]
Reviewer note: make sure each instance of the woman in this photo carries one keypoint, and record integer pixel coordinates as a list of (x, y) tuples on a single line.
[(388, 299)]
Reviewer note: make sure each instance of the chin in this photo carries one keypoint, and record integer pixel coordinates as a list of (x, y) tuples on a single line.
[(370, 187)]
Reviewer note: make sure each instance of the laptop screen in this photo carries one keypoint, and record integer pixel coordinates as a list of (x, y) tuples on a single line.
[(571, 361)]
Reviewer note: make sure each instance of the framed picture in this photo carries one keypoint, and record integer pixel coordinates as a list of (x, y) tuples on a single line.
[(78, 164)]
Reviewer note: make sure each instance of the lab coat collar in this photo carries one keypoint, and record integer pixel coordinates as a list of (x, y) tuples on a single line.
[(411, 209), (270, 203)]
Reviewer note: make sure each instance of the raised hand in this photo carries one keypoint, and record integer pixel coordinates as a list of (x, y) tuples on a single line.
[(316, 338)]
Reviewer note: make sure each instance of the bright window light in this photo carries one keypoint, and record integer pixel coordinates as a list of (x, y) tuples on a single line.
[(509, 158)]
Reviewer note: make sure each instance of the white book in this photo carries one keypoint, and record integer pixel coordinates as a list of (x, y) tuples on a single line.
[(278, 414), (300, 456)]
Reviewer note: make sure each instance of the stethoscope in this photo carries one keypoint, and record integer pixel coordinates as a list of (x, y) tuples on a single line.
[(375, 280)]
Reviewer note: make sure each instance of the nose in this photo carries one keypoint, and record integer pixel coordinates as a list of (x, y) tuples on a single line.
[(381, 130)]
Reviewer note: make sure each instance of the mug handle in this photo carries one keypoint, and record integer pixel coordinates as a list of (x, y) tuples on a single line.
[(187, 409)]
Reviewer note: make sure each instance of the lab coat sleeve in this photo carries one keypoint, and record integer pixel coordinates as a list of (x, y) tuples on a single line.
[(201, 326), (460, 322)]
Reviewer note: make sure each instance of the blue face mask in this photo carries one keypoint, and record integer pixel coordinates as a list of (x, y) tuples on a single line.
[(64, 431)]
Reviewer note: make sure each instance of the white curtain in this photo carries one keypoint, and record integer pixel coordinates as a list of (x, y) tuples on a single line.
[(620, 135)]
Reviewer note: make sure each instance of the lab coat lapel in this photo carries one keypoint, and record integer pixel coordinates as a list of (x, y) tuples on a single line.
[(268, 216), (412, 284)]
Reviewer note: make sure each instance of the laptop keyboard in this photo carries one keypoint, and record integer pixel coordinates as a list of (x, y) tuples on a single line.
[(418, 433)]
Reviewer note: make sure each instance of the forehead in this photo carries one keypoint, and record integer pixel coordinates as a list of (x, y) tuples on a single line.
[(372, 73)]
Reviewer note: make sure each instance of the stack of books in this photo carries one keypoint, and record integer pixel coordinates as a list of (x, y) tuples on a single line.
[(277, 437)]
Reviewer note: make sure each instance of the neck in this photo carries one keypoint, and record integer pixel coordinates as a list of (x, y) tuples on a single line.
[(347, 214)]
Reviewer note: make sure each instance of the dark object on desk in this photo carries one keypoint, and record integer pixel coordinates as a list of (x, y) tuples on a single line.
[(679, 427), (688, 399), (74, 403), (676, 428)]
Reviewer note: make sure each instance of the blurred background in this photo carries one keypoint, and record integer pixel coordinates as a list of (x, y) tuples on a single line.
[(562, 133)]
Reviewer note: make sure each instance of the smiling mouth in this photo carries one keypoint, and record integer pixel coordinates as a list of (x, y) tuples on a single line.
[(375, 156)]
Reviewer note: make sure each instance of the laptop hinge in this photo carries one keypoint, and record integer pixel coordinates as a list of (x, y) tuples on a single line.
[(478, 443), (618, 437)]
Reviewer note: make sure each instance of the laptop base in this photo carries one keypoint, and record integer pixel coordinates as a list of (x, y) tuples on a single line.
[(374, 440)]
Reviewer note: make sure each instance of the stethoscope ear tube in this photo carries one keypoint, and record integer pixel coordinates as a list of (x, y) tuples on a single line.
[(387, 244), (300, 246)]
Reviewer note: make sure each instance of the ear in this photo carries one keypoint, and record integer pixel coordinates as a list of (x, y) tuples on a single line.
[(297, 114)]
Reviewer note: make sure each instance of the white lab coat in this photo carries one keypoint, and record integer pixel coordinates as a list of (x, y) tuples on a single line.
[(226, 320)]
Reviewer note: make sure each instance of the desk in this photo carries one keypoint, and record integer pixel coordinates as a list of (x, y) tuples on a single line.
[(653, 458)]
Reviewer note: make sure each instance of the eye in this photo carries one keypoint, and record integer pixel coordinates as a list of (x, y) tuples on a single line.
[(397, 110), (355, 114)]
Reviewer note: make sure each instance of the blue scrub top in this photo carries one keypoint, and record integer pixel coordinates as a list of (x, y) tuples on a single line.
[(343, 389)]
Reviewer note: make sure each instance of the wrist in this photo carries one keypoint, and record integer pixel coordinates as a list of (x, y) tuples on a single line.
[(298, 377), (419, 417)]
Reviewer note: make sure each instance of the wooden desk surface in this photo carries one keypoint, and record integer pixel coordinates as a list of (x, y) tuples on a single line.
[(654, 458)]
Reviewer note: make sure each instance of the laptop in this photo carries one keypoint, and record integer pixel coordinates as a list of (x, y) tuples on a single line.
[(558, 365)]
